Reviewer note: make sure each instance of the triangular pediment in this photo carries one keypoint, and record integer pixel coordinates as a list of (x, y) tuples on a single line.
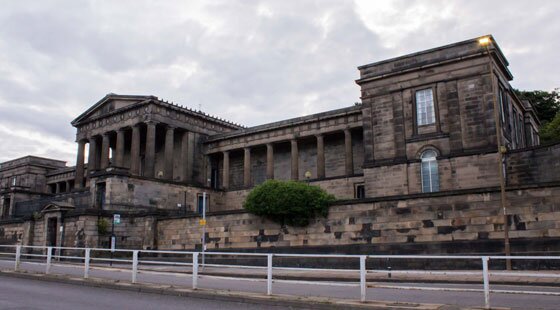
[(57, 206), (108, 104)]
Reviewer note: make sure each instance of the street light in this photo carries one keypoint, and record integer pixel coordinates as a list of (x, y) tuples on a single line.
[(485, 41), (307, 175)]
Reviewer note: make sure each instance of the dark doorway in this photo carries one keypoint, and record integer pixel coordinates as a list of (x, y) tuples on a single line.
[(100, 195), (214, 180), (6, 211), (51, 231)]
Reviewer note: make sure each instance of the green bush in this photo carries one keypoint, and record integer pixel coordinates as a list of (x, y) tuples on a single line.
[(288, 202), (102, 226)]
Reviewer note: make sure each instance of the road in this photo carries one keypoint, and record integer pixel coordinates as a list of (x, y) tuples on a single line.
[(33, 294), (347, 291)]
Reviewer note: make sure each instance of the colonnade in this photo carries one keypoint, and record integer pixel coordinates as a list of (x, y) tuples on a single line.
[(348, 154), (142, 161)]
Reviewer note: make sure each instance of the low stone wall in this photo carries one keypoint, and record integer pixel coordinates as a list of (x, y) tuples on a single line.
[(423, 223), (12, 233)]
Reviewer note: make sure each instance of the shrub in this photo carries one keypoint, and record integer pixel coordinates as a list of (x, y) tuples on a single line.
[(102, 226), (288, 202)]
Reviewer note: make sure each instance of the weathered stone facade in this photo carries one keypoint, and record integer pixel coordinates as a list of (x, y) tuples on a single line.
[(150, 161)]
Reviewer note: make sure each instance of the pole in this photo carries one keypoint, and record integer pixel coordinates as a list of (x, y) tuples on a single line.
[(113, 241), (486, 281), (203, 226), (501, 158), (185, 203)]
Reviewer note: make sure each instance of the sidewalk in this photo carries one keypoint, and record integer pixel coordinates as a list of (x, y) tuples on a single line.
[(552, 278)]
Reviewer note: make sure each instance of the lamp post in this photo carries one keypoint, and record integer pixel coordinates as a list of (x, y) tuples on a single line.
[(307, 176), (485, 41)]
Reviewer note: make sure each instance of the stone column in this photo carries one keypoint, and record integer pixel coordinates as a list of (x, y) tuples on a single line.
[(105, 151), (190, 155), (295, 158), (185, 157), (92, 160), (135, 151), (225, 177), (168, 171), (119, 156), (57, 188), (269, 161), (67, 186), (247, 167), (320, 157), (79, 180), (150, 156), (349, 161)]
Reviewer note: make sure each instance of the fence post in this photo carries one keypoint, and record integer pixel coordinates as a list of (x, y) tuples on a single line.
[(269, 275), (49, 259), (18, 257), (87, 256), (486, 280), (134, 265), (195, 271), (363, 283)]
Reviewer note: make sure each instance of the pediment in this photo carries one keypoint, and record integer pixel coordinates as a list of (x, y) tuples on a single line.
[(56, 206), (108, 104)]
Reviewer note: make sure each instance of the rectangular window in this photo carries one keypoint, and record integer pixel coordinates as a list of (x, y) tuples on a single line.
[(502, 105), (200, 203), (359, 191), (515, 130), (425, 111), (14, 180), (521, 129), (430, 177)]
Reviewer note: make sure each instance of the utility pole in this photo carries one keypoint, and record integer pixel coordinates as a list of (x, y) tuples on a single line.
[(485, 41), (203, 223)]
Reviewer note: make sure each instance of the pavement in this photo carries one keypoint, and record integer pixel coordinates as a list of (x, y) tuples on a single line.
[(462, 295)]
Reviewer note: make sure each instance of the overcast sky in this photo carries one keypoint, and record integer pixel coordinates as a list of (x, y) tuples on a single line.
[(251, 62)]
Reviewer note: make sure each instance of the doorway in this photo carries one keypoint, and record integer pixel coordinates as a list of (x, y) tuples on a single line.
[(52, 225)]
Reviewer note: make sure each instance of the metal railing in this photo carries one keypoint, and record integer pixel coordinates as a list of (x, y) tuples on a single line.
[(84, 256)]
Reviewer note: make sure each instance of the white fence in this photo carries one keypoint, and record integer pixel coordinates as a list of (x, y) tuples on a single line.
[(133, 257)]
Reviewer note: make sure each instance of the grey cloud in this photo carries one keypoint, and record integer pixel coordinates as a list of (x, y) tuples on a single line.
[(234, 58)]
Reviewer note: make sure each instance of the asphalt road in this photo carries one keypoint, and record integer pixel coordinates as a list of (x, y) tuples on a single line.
[(18, 293), (349, 291)]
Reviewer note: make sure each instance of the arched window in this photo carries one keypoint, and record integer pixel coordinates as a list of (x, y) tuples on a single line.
[(429, 171)]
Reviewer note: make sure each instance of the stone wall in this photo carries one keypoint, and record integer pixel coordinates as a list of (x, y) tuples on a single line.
[(128, 193), (341, 188), (429, 223), (534, 165), (12, 233), (455, 173)]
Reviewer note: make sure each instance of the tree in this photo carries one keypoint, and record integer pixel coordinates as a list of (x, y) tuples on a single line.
[(547, 104), (288, 202), (550, 132)]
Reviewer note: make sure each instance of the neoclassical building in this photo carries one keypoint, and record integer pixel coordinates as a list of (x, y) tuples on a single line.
[(426, 134)]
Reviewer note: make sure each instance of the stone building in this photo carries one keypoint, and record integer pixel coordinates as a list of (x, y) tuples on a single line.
[(415, 167)]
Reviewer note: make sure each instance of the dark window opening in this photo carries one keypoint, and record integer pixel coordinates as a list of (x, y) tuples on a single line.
[(360, 191), (100, 195)]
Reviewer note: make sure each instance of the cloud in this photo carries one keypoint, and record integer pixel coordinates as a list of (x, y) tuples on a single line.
[(248, 61)]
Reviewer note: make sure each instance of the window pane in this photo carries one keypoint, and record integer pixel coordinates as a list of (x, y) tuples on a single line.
[(429, 172), (425, 107)]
